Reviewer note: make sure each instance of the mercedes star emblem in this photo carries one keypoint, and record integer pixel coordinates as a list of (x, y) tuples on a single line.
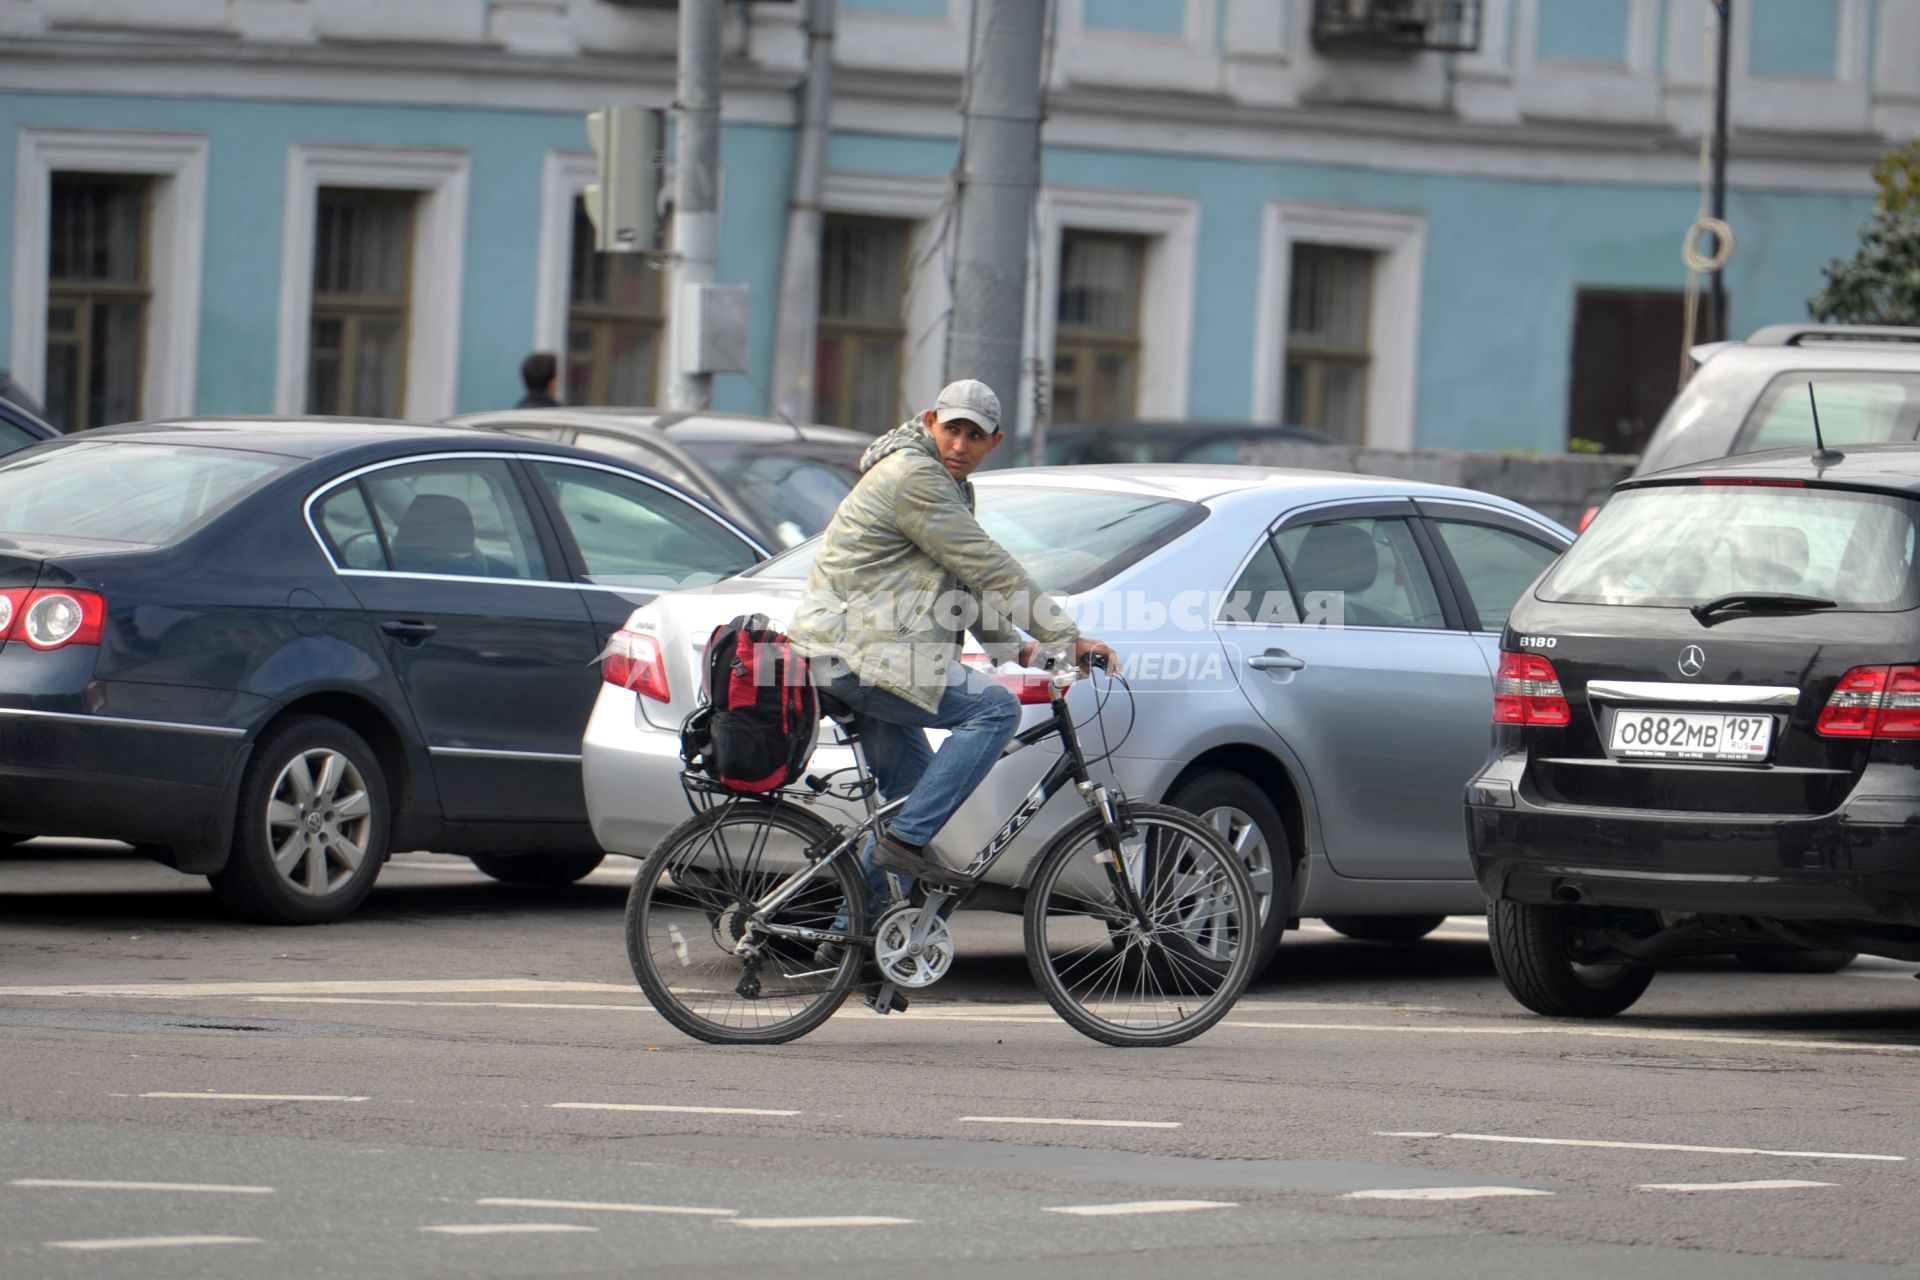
[(1693, 660)]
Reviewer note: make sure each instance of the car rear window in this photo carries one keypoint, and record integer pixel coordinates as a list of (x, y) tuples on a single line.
[(1686, 544), (127, 490), (797, 493), (1068, 539), (1854, 408)]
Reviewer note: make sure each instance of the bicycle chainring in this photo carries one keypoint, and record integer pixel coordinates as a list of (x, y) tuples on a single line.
[(901, 961)]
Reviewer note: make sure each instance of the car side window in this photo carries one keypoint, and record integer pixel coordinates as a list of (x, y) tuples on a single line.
[(456, 517), (1360, 572), (633, 534), (1497, 564), (1262, 593), (348, 528), (12, 437)]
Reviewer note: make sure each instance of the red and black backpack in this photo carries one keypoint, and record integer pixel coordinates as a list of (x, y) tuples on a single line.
[(756, 729)]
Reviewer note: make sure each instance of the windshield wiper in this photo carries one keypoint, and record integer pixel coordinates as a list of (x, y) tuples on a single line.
[(1757, 602)]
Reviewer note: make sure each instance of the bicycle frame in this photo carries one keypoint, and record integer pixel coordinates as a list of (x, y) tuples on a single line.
[(1071, 766)]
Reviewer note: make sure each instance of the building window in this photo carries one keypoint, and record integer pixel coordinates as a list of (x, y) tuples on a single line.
[(362, 261), (862, 327), (1624, 367), (614, 322), (98, 291), (1329, 314), (1096, 347)]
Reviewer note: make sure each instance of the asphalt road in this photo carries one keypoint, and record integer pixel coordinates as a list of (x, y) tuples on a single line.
[(464, 1081)]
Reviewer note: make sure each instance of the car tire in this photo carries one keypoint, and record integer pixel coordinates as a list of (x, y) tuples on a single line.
[(1531, 953), (1821, 960), (311, 828), (544, 869), (1239, 811), (1383, 928)]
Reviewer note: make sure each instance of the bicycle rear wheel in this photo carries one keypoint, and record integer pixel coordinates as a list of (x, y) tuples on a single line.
[(690, 905), (1159, 978)]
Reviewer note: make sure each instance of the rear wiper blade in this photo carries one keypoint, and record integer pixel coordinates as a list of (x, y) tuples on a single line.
[(1757, 602)]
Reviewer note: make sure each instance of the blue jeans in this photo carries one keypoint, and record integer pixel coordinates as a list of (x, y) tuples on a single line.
[(981, 714)]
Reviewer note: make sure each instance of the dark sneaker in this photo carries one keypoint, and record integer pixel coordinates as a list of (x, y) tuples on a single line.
[(904, 860)]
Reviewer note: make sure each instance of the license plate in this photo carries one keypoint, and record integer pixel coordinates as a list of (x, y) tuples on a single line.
[(1691, 735)]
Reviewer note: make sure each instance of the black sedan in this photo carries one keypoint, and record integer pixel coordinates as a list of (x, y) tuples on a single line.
[(272, 653)]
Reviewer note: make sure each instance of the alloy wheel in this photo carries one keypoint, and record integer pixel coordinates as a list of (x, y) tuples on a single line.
[(1243, 835), (318, 820)]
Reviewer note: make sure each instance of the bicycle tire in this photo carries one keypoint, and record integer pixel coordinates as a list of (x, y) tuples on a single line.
[(690, 899), (1106, 978)]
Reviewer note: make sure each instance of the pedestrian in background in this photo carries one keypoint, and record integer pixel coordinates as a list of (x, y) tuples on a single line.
[(539, 371)]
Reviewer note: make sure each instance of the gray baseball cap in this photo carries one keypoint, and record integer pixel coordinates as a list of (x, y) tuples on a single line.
[(971, 399)]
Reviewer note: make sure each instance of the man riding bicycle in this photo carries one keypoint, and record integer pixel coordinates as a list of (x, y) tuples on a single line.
[(901, 568)]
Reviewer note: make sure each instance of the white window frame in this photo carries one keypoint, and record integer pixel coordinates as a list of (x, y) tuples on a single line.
[(176, 236), (1398, 241), (929, 300), (1171, 226), (440, 177)]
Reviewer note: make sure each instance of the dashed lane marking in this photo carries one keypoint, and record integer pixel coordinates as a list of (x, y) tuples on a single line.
[(85, 1184), (600, 1206), (1641, 1146), (1766, 1184), (507, 1229), (150, 1242), (1141, 1207), (1089, 1124), (264, 1097), (1443, 1193), (777, 1224), (655, 1106), (1666, 1037)]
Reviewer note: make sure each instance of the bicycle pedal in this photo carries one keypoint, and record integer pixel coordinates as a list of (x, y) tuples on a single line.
[(887, 999)]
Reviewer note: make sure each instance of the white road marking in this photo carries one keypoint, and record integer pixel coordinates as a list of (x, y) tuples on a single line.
[(1141, 1206), (1664, 1037), (776, 1224), (599, 1206), (266, 1097), (1644, 1146), (1767, 1184), (1443, 1193), (1090, 1124), (507, 1228), (150, 1242), (83, 1184), (654, 1106)]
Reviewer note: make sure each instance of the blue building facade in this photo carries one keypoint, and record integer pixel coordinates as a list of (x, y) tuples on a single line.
[(1237, 221)]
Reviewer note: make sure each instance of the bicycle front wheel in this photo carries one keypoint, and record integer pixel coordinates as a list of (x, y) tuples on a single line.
[(1151, 952), (692, 902)]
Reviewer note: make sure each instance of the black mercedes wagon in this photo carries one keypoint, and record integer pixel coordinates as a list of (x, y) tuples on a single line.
[(1707, 730), (273, 652)]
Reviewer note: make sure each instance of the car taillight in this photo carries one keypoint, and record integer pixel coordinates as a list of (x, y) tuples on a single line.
[(1028, 689), (51, 617), (1527, 691), (1873, 702), (633, 661)]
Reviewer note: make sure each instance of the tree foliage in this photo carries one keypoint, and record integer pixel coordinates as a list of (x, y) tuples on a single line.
[(1880, 284)]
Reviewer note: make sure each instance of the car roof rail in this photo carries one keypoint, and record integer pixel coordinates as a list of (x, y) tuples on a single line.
[(1800, 335)]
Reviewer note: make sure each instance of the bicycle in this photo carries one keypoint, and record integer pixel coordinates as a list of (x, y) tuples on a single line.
[(747, 924)]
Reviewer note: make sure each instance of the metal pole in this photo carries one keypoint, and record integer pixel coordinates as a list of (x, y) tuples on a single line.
[(696, 217), (1724, 14), (797, 324), (999, 169)]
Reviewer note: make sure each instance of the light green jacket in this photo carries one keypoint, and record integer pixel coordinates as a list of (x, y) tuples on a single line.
[(904, 566)]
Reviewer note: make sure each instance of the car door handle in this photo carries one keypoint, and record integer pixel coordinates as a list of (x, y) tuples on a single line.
[(1276, 660), (407, 630)]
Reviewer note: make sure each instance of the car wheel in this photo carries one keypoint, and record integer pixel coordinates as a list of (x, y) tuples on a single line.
[(312, 826), (539, 868), (1383, 928), (1240, 813), (1534, 951), (1806, 961)]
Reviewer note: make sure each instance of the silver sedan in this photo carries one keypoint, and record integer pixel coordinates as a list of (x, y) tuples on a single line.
[(1309, 666)]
